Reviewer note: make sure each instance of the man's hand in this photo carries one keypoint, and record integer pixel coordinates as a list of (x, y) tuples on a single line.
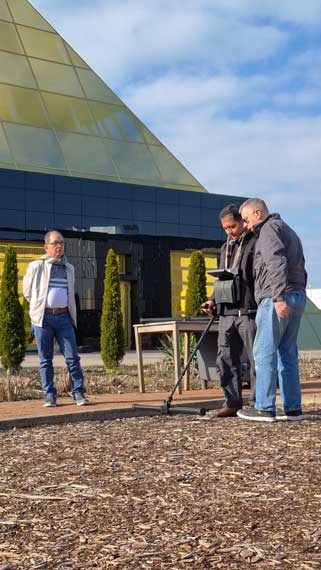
[(210, 305), (282, 309)]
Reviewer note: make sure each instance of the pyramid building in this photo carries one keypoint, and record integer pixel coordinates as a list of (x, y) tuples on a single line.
[(75, 158)]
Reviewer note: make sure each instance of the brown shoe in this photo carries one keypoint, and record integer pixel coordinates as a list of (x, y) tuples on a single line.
[(227, 412)]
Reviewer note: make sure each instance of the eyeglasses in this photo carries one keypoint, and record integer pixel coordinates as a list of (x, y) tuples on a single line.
[(60, 242)]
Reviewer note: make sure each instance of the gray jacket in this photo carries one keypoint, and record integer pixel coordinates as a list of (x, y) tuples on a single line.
[(278, 260), (35, 289)]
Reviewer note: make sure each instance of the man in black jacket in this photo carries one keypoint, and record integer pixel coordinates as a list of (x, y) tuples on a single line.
[(280, 281), (237, 320)]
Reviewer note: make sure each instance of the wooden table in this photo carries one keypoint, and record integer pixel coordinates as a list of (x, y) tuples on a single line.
[(174, 327)]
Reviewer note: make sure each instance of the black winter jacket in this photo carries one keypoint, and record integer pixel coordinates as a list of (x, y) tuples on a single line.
[(247, 304)]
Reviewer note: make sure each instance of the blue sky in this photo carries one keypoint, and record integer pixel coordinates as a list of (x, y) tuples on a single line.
[(231, 87)]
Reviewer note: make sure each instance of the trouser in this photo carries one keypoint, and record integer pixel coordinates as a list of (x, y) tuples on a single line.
[(276, 353), (234, 334), (58, 327)]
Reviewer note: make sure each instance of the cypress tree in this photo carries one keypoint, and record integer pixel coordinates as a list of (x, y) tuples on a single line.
[(12, 332), (196, 285), (111, 324), (27, 322)]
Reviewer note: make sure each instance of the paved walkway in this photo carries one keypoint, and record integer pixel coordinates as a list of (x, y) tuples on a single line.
[(111, 406)]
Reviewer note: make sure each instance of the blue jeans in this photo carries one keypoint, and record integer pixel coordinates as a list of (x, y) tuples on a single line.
[(58, 327), (276, 353)]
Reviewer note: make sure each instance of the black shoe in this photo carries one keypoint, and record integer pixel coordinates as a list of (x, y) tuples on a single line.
[(289, 416), (257, 415)]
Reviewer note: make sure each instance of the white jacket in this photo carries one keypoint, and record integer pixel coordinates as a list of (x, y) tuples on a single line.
[(35, 289)]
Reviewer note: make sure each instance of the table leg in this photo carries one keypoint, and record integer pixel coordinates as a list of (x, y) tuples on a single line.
[(177, 356), (186, 357), (141, 381)]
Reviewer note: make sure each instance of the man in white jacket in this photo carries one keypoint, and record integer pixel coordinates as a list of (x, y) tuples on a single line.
[(49, 287)]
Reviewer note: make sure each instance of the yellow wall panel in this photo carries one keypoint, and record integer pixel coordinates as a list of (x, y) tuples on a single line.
[(180, 261)]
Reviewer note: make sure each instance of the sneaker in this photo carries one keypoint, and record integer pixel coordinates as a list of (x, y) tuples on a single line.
[(289, 416), (80, 399), (50, 401), (256, 415)]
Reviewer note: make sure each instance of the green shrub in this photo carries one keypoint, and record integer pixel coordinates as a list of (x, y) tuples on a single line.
[(12, 332), (196, 285), (27, 322), (111, 324)]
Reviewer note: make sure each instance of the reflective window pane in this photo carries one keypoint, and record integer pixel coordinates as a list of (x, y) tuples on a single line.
[(105, 119), (56, 77), (95, 88), (22, 106), (43, 44), (4, 12), (16, 69), (5, 155), (75, 58), (86, 154), (9, 39), (70, 114), (149, 137), (129, 126), (44, 150), (24, 13), (171, 169), (133, 160)]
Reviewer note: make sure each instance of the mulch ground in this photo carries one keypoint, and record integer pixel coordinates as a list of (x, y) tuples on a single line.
[(162, 493)]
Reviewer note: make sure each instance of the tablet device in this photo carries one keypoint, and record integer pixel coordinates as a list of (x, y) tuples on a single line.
[(222, 273)]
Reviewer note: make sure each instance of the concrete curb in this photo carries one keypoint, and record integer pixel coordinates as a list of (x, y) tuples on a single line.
[(100, 415)]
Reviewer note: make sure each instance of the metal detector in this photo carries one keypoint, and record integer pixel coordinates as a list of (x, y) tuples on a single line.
[(167, 407)]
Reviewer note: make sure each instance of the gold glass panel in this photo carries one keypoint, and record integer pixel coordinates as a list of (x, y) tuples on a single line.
[(105, 119), (4, 12), (69, 114), (75, 58), (56, 77), (149, 137), (172, 171), (86, 154), (34, 147), (15, 69), (9, 39), (129, 126), (43, 44), (5, 155), (95, 88), (22, 106), (133, 160), (24, 13)]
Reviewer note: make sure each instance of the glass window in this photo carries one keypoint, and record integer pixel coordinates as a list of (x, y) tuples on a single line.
[(171, 169), (105, 119), (24, 13), (44, 150), (56, 77), (133, 160), (86, 154), (16, 69), (43, 44), (5, 155), (149, 137), (70, 114), (4, 12), (75, 58), (22, 106), (95, 88), (129, 126), (9, 39)]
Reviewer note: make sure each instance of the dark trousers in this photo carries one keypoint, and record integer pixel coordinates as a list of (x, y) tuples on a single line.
[(235, 334)]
